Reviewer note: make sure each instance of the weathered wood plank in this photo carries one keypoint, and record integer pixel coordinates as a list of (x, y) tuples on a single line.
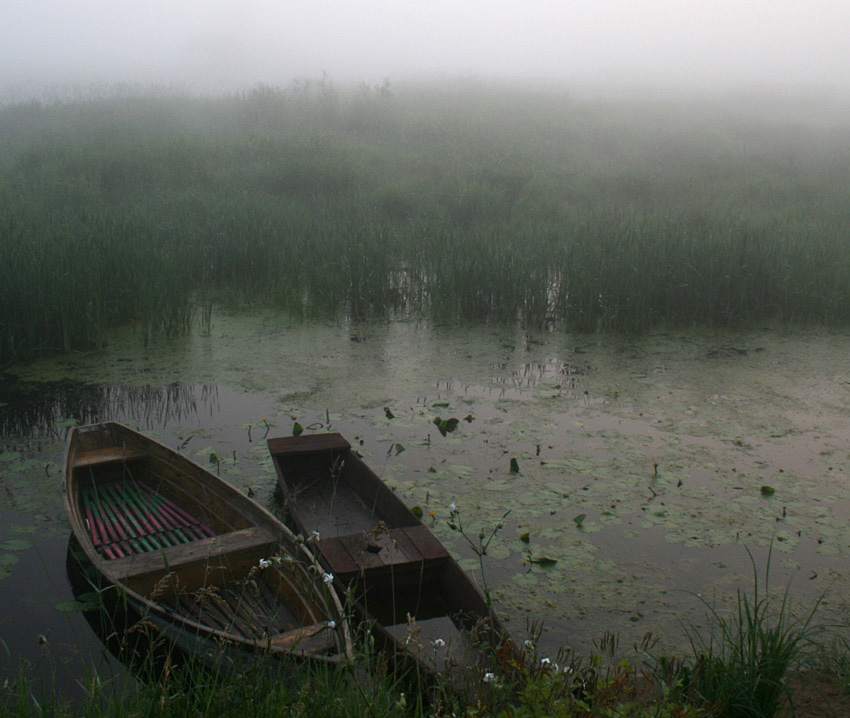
[(108, 455), (201, 551), (295, 445), (425, 541), (316, 639), (337, 556)]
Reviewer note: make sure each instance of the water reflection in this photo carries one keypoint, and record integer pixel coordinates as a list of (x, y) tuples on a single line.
[(110, 618), (41, 409)]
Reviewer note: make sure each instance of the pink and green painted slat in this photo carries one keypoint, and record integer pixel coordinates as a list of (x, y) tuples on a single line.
[(126, 518)]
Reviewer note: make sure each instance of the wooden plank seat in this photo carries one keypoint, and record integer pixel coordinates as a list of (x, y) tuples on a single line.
[(409, 548), (232, 543), (307, 444), (94, 457)]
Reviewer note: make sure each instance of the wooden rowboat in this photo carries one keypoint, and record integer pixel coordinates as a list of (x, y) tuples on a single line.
[(205, 565), (401, 576)]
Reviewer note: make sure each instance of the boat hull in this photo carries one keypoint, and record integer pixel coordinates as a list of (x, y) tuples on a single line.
[(205, 565), (400, 575)]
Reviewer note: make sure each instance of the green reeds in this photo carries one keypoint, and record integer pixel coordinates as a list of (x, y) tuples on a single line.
[(741, 667), (455, 204)]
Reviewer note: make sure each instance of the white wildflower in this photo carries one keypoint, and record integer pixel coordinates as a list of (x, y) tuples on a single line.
[(453, 507), (328, 578), (438, 643), (331, 624), (264, 563), (489, 677)]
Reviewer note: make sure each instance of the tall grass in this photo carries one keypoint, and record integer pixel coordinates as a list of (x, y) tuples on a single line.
[(451, 203), (740, 669), (176, 685)]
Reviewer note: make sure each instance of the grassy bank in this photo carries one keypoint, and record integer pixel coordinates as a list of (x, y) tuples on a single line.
[(758, 660), (449, 203), (719, 680), (541, 687)]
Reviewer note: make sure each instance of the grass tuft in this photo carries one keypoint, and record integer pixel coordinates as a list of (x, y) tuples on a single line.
[(741, 667)]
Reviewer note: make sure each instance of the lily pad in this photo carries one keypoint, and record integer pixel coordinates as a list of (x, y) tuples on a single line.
[(7, 560), (81, 604), (446, 426), (15, 545), (542, 561)]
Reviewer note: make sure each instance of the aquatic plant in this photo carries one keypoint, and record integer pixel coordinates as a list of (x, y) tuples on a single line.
[(741, 667), (479, 547)]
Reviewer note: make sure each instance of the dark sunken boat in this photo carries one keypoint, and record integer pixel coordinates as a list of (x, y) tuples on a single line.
[(404, 581), (212, 570)]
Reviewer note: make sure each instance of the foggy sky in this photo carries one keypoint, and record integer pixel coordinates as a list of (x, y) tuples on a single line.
[(227, 44)]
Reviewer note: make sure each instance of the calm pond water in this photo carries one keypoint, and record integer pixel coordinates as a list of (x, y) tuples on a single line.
[(647, 467)]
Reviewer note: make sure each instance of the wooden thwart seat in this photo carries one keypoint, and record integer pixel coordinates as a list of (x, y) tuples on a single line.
[(202, 551), (408, 547), (307, 444), (92, 457)]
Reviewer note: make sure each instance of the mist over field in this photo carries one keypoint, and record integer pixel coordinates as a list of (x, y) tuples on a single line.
[(50, 46)]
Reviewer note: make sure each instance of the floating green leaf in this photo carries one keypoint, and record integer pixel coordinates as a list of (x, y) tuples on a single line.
[(579, 520), (297, 429), (767, 491), (16, 545), (84, 602), (416, 511), (7, 560), (388, 413), (542, 560), (446, 426), (525, 538), (398, 449), (514, 466)]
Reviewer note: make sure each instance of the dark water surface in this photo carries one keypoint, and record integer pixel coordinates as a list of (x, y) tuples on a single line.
[(641, 462)]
